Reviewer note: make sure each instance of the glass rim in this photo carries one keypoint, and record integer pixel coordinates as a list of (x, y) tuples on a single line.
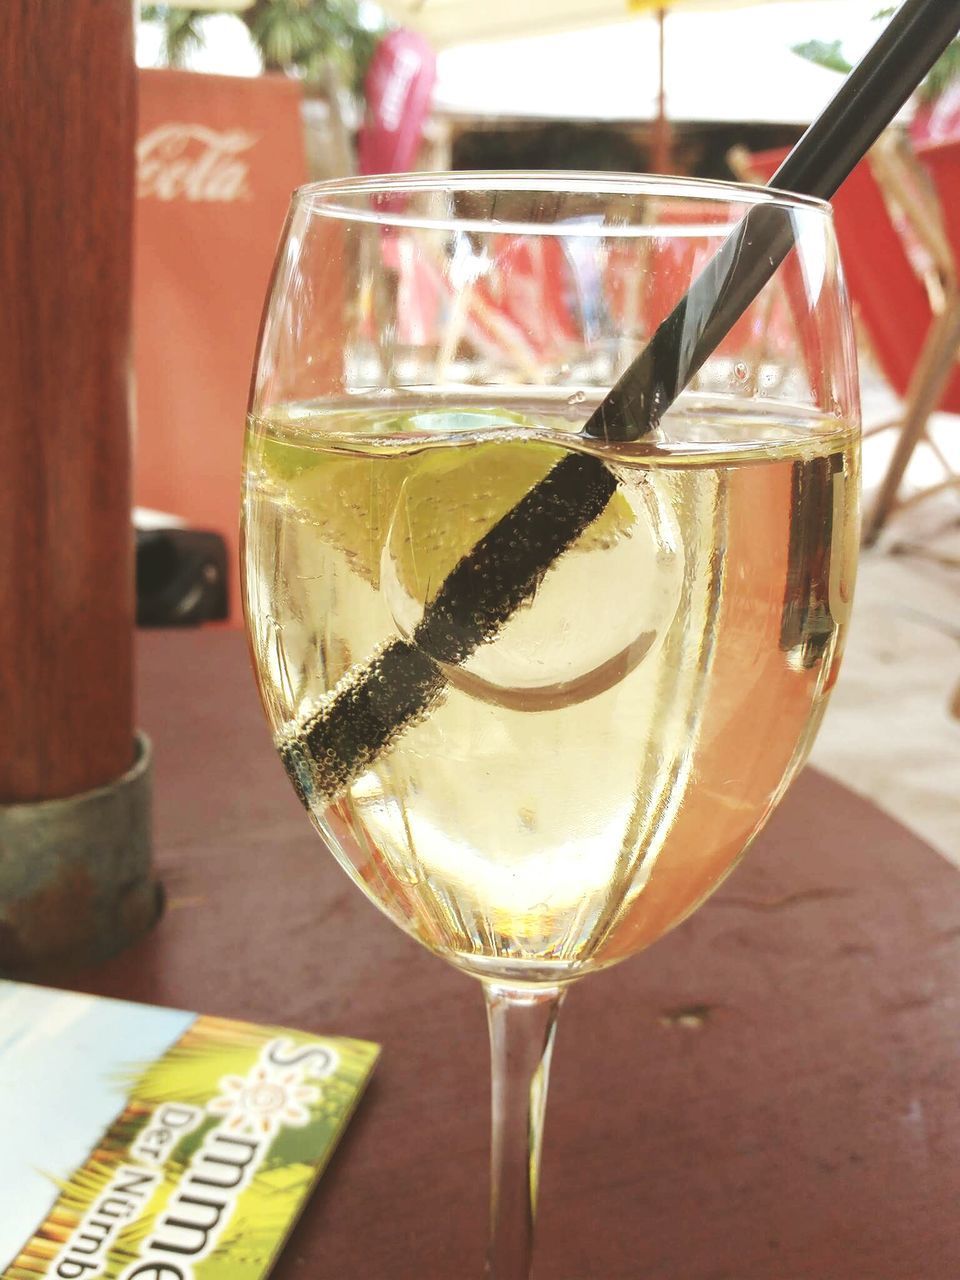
[(334, 198)]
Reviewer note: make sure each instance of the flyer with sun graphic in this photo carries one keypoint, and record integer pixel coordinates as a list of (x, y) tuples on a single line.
[(139, 1143)]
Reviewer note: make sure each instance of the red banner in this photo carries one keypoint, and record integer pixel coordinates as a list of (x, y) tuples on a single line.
[(398, 88), (217, 158)]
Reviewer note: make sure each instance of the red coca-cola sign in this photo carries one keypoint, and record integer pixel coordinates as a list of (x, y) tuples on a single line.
[(194, 162)]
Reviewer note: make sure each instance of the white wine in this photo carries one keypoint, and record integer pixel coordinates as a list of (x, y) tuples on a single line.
[(537, 758)]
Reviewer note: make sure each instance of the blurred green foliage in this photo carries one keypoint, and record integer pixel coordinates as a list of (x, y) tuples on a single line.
[(309, 38), (828, 53)]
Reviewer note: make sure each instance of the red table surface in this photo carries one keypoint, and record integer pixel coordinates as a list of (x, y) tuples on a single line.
[(805, 1125)]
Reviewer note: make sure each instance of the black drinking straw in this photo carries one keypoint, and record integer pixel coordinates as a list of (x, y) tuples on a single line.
[(374, 703), (870, 97)]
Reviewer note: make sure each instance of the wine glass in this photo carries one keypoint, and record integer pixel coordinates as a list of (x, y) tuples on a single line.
[(537, 690)]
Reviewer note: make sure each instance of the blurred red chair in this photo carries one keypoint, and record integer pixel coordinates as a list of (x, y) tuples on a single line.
[(941, 161), (913, 329)]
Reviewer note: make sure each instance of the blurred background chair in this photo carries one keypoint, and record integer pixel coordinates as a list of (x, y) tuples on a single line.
[(901, 273), (941, 162)]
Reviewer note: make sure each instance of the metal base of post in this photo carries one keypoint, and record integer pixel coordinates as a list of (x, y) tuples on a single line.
[(75, 874)]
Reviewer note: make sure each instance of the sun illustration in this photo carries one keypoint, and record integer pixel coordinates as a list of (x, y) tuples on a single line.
[(264, 1101)]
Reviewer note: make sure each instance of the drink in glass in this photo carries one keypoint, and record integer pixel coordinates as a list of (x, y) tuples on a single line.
[(538, 691)]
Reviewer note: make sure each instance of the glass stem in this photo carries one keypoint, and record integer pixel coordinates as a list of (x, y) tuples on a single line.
[(522, 1027)]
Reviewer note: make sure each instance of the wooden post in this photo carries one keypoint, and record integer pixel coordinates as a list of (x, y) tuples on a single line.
[(67, 124)]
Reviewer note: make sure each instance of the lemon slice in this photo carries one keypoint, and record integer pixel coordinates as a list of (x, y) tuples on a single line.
[(427, 508)]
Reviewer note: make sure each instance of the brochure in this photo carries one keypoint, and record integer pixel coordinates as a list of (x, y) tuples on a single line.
[(141, 1143)]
